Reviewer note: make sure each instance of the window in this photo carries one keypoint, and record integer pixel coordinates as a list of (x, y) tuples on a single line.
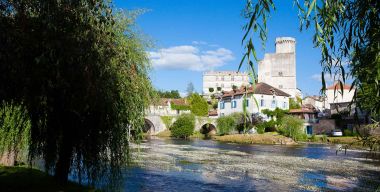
[(284, 105), (233, 104), (262, 103), (246, 102), (273, 104), (280, 73), (222, 105)]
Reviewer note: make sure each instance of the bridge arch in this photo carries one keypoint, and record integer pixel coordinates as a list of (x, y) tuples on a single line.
[(148, 126), (208, 129)]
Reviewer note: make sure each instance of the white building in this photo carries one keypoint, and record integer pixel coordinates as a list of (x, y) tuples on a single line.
[(335, 95), (318, 102), (164, 107), (279, 69), (267, 97), (223, 79)]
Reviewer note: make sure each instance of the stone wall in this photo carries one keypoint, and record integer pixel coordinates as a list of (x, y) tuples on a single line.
[(324, 126)]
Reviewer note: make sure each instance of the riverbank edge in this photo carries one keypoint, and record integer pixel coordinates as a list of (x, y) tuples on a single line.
[(21, 178), (270, 138)]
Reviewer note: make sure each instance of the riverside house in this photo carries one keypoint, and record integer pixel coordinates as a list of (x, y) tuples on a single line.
[(266, 96)]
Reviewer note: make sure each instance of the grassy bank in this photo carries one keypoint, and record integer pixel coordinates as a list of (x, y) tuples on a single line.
[(167, 133), (334, 140), (266, 138), (27, 179)]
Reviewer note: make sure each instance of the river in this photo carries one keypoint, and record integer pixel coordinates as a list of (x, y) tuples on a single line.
[(206, 165)]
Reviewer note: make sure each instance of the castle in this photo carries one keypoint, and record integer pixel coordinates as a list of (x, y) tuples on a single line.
[(279, 69)]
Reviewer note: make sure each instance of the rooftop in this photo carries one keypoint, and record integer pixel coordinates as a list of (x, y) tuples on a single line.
[(259, 88), (224, 73)]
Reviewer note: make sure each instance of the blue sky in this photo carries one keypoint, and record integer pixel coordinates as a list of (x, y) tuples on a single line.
[(193, 36)]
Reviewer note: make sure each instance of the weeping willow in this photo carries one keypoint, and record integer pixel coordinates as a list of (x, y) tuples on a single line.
[(80, 71), (14, 132)]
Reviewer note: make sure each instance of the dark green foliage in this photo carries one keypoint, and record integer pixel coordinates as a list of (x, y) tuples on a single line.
[(347, 132), (234, 87), (198, 105), (14, 130), (260, 128), (219, 89), (276, 116), (81, 72), (226, 124), (27, 179), (292, 127), (174, 94), (215, 105), (211, 90), (184, 126)]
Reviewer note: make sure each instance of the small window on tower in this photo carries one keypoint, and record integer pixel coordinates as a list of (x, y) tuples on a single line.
[(279, 73)]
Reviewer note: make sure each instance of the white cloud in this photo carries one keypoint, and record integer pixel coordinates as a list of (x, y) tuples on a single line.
[(329, 78), (318, 77), (190, 58)]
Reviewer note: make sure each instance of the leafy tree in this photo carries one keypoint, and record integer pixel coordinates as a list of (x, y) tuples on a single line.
[(14, 131), (81, 72), (198, 105), (190, 89), (292, 127), (183, 127), (294, 104), (174, 94)]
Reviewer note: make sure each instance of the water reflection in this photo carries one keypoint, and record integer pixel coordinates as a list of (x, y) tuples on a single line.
[(205, 165)]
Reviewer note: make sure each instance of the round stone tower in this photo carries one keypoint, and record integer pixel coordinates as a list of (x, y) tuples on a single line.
[(285, 45)]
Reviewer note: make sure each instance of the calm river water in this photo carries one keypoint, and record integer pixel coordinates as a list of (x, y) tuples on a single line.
[(206, 165)]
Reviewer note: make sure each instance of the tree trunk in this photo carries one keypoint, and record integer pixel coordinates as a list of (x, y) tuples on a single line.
[(62, 167)]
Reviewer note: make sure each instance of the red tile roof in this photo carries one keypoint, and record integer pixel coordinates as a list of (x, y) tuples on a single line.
[(337, 86), (213, 113), (260, 88)]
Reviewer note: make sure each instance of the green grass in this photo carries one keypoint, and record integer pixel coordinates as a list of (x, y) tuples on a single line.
[(21, 179)]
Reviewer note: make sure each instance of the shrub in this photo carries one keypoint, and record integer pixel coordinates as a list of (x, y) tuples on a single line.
[(292, 127), (198, 105), (211, 89), (324, 138), (260, 128), (225, 124), (347, 132), (167, 121), (313, 138), (183, 127)]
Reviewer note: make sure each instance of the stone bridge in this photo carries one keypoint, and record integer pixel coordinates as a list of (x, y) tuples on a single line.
[(154, 124)]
